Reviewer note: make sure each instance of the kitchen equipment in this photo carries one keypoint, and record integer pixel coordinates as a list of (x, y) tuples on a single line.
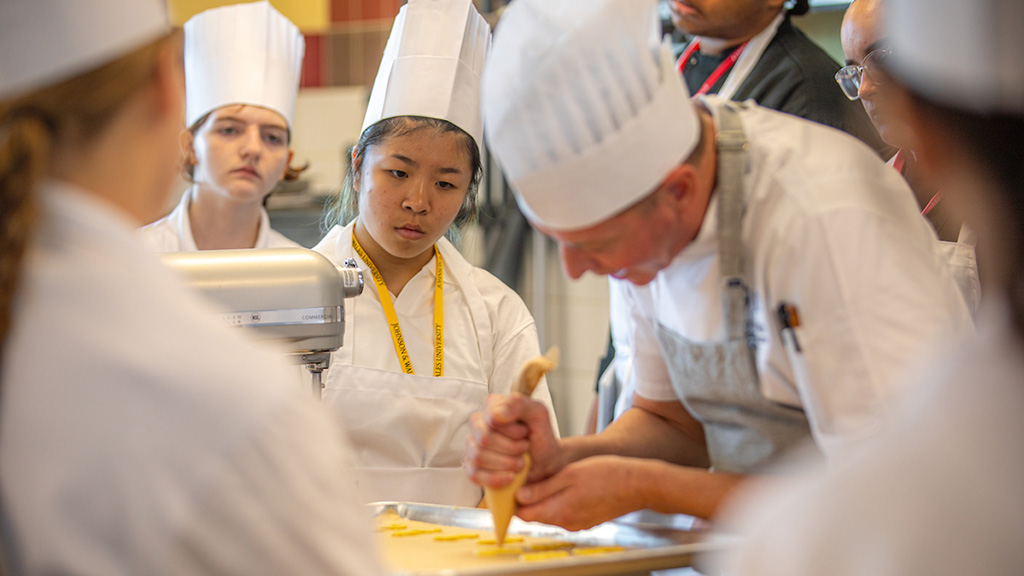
[(292, 296), (647, 547)]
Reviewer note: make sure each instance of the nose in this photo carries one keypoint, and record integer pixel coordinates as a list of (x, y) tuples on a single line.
[(251, 142), (575, 261), (867, 87), (417, 196)]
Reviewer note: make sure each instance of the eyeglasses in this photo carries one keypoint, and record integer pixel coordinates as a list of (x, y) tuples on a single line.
[(874, 64)]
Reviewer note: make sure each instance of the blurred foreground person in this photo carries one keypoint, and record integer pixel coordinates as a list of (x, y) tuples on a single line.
[(138, 435), (939, 493)]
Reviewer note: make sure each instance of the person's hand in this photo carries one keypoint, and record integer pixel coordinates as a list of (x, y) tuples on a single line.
[(585, 493), (507, 428)]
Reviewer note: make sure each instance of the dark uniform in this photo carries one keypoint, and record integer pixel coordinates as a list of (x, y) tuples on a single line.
[(796, 76)]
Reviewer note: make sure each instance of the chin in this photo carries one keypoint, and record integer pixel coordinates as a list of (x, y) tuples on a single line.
[(640, 279)]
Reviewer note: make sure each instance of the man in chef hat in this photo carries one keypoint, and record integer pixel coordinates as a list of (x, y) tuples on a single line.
[(242, 69), (780, 276), (939, 493)]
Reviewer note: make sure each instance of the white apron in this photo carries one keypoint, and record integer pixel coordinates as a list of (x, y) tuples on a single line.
[(409, 431)]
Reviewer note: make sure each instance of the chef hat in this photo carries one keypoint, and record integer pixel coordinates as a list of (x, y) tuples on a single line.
[(242, 54), (48, 41), (583, 107), (431, 65), (962, 54)]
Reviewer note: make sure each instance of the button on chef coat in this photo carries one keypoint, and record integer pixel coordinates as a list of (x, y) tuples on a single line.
[(141, 436), (832, 229), (173, 233)]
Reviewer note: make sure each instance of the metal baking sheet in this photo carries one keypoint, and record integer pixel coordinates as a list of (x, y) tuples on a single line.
[(650, 547)]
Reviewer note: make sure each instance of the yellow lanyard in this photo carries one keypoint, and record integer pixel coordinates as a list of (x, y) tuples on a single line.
[(389, 312)]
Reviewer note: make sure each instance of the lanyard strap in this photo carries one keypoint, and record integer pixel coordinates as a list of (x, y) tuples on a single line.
[(932, 203), (392, 317), (717, 74), (898, 161)]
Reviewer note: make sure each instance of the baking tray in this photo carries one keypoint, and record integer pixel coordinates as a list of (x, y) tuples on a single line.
[(650, 547)]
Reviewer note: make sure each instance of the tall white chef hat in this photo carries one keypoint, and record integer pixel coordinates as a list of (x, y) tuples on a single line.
[(963, 54), (431, 65), (583, 107), (47, 41), (242, 54)]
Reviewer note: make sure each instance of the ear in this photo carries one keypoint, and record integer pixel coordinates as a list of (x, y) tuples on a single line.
[(188, 150), (356, 164), (680, 185), (775, 5)]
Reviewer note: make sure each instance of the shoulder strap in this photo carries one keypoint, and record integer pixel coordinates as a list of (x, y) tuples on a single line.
[(731, 143)]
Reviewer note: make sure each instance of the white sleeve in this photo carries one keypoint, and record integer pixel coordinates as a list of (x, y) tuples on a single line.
[(869, 311), (516, 342), (284, 504), (650, 374), (621, 328)]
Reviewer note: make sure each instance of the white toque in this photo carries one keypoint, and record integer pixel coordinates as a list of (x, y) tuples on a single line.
[(242, 54), (961, 53), (583, 107), (48, 41), (432, 65)]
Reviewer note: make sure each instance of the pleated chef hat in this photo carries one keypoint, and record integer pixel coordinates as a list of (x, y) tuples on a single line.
[(47, 41), (962, 54), (431, 65), (242, 54), (583, 107)]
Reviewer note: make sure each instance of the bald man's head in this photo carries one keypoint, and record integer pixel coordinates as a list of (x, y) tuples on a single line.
[(862, 29)]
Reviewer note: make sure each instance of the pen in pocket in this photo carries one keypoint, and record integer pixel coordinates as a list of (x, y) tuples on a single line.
[(790, 319)]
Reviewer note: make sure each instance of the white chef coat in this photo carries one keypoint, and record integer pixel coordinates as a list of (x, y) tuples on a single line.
[(141, 436), (831, 229), (173, 233), (409, 430), (939, 493)]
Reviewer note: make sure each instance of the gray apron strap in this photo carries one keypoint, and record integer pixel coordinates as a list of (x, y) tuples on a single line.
[(732, 203), (718, 380)]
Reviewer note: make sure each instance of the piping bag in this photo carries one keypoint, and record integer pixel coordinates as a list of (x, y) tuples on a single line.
[(502, 501)]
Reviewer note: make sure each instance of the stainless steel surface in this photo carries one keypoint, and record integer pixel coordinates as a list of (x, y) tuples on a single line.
[(315, 363), (290, 295), (652, 547)]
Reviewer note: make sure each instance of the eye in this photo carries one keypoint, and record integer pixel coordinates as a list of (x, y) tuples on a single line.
[(445, 185), (227, 130), (274, 138), (398, 173)]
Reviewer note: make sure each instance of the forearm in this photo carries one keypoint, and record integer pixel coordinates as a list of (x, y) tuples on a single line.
[(672, 489), (641, 433)]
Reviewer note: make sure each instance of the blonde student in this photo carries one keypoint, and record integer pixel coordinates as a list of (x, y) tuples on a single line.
[(242, 68), (138, 435), (432, 335)]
